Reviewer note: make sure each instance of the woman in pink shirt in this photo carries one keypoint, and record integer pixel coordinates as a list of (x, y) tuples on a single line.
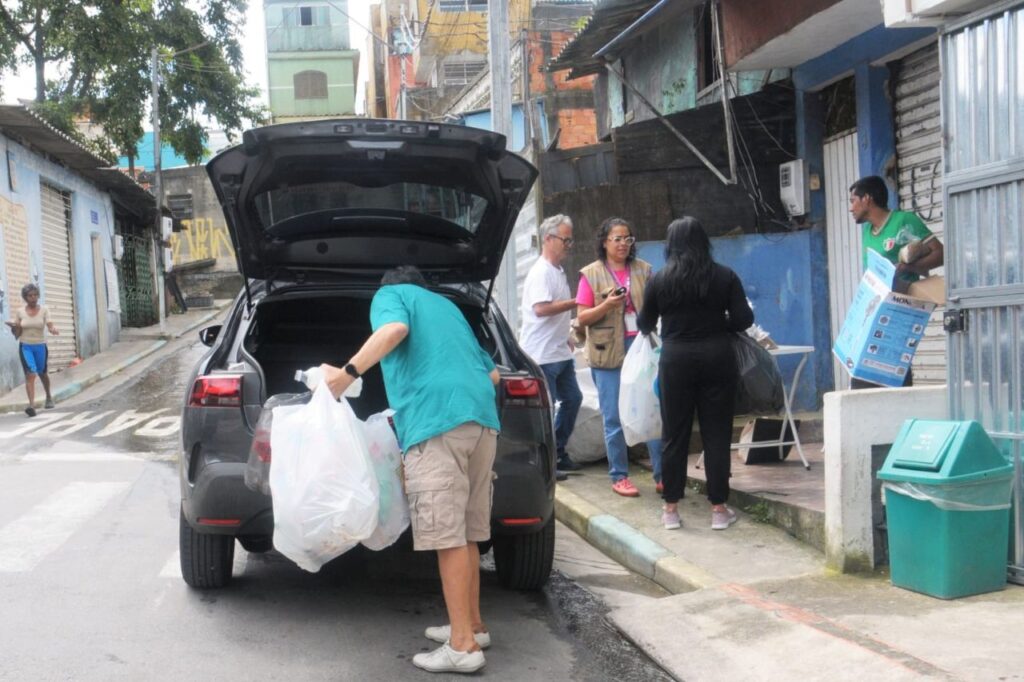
[(609, 297)]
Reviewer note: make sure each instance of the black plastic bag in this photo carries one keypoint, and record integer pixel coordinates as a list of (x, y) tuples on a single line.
[(759, 387), (257, 468)]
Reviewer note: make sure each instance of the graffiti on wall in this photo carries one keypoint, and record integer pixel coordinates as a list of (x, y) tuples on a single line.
[(200, 239), (16, 265)]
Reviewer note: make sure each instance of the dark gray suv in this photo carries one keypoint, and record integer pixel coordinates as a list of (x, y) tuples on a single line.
[(317, 212)]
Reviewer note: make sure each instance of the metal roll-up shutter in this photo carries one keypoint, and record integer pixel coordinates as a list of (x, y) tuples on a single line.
[(57, 291), (919, 178)]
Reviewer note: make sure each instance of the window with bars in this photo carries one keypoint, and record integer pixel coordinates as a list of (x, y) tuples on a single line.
[(310, 85), (463, 5), (459, 74)]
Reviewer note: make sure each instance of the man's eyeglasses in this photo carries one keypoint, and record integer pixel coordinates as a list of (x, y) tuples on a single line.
[(620, 239), (568, 241)]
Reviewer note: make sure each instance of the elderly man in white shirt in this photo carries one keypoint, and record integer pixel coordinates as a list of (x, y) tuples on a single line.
[(547, 313)]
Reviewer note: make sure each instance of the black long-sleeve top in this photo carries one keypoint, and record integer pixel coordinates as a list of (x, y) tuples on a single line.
[(725, 309)]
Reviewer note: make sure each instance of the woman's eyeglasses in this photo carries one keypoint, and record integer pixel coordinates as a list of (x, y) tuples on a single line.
[(620, 239)]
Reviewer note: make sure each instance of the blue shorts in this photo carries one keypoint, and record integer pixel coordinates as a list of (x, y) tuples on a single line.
[(33, 358)]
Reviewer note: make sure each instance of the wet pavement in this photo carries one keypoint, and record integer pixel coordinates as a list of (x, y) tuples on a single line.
[(92, 489)]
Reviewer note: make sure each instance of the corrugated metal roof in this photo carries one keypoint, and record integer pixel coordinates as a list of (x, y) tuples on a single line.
[(22, 124), (26, 125), (610, 18)]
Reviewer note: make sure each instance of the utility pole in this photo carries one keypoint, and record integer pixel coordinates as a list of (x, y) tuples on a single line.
[(404, 49), (157, 185), (501, 122)]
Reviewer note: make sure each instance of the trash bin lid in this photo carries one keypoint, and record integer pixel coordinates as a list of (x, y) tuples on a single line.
[(943, 452), (925, 445)]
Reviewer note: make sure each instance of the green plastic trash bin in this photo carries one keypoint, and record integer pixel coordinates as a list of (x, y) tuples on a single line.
[(947, 497)]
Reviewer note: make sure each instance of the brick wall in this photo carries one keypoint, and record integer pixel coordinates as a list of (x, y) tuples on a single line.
[(579, 128)]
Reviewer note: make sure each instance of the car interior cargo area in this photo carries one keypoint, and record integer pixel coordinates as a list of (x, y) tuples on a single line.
[(295, 333)]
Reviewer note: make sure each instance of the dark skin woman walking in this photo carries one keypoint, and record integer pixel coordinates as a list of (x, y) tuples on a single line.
[(29, 326), (700, 302)]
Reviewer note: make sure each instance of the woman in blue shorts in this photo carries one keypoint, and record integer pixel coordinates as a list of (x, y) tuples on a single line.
[(29, 326)]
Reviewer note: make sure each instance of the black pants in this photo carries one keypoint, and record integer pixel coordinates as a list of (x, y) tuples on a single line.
[(697, 376)]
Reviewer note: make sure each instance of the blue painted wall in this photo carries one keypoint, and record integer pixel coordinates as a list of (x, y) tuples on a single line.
[(91, 213), (482, 119), (168, 157), (790, 299)]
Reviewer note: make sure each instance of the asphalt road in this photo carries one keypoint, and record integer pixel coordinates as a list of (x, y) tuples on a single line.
[(91, 588)]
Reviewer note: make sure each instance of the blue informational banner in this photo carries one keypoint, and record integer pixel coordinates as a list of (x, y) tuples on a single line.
[(882, 328)]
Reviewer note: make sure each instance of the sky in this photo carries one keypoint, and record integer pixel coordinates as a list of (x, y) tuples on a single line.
[(22, 85)]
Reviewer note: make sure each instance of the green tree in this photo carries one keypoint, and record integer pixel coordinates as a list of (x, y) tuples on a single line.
[(92, 58)]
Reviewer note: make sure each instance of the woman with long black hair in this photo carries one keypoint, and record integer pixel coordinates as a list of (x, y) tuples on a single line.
[(699, 302)]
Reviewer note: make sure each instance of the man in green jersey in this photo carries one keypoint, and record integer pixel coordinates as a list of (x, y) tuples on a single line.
[(890, 232), (887, 232)]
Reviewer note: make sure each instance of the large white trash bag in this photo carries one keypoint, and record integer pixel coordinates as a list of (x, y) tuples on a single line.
[(386, 458), (586, 444), (321, 482), (639, 408)]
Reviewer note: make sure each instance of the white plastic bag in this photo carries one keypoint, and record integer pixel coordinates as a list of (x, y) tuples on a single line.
[(386, 458), (639, 408), (586, 444), (321, 482)]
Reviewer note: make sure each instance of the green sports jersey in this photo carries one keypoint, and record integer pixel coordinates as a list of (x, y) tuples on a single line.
[(900, 229)]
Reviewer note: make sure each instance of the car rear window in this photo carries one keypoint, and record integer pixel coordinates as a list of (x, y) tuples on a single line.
[(340, 198)]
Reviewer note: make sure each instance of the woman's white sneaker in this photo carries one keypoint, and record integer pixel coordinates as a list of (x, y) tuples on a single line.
[(445, 659), (443, 633)]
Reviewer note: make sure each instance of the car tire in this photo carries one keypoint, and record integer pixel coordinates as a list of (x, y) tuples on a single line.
[(206, 559), (256, 544), (524, 562)]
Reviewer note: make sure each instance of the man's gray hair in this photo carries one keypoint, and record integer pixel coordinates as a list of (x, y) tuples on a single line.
[(550, 225)]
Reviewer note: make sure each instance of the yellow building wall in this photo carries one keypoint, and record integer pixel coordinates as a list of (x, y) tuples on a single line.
[(455, 32)]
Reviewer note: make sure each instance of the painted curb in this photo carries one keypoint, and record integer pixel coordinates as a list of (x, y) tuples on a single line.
[(628, 546)]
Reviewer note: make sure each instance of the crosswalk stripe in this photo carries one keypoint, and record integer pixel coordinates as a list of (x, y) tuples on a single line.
[(86, 456), (25, 541)]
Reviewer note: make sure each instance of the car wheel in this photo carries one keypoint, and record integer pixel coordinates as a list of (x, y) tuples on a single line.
[(524, 561), (256, 544), (206, 559)]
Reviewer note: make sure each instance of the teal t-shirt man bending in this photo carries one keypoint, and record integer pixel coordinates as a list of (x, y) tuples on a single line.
[(889, 233), (441, 384)]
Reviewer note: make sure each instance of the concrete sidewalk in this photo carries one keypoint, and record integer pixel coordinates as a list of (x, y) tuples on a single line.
[(134, 345), (755, 603)]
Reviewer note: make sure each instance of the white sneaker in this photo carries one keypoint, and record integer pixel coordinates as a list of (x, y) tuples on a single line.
[(720, 520), (443, 633), (445, 659)]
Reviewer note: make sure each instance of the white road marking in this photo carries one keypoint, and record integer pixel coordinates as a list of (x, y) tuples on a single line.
[(87, 456), (40, 420), (56, 424), (74, 423), (127, 420), (160, 427), (172, 569), (28, 539)]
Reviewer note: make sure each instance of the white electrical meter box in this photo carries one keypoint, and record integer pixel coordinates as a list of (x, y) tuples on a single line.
[(118, 247), (168, 260), (166, 228), (793, 187)]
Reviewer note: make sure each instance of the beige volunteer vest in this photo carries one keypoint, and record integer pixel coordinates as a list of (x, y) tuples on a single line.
[(606, 338)]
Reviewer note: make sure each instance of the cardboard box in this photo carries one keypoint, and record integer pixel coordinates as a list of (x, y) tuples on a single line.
[(882, 328), (930, 289)]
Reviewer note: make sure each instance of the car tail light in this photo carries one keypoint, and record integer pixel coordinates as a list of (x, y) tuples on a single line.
[(524, 392), (217, 390)]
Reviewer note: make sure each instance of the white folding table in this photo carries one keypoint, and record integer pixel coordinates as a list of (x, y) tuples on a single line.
[(787, 395)]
